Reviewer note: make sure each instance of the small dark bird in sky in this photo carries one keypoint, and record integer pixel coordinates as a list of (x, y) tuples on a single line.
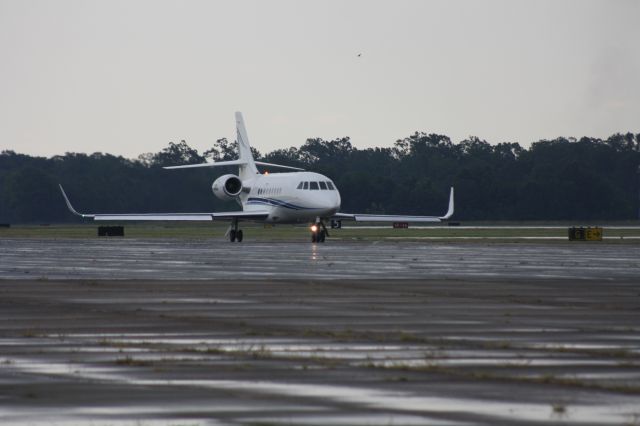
[(359, 54)]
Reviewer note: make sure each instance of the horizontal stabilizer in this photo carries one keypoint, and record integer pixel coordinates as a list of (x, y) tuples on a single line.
[(229, 163), (260, 163), (216, 164)]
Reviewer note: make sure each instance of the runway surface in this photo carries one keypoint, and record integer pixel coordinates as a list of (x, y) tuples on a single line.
[(349, 352), (377, 333), (216, 259)]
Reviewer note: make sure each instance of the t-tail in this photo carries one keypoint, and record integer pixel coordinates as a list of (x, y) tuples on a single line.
[(245, 162)]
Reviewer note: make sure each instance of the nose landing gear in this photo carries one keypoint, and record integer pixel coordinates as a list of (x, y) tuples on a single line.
[(318, 232)]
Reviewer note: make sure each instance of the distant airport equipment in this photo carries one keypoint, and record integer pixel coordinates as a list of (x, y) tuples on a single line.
[(639, 192), (400, 225), (293, 197), (336, 224), (111, 231), (585, 234)]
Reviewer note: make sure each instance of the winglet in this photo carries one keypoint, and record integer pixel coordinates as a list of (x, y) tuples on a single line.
[(71, 209), (450, 210)]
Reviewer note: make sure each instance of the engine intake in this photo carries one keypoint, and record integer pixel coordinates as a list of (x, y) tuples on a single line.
[(227, 187)]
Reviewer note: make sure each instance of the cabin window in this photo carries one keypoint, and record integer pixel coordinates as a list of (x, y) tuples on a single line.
[(313, 185), (323, 185), (330, 185), (306, 185), (299, 186)]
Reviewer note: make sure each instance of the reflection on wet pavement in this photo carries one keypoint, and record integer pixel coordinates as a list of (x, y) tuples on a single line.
[(208, 259), (452, 352)]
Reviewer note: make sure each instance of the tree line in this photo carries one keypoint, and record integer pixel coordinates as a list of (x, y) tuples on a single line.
[(559, 179)]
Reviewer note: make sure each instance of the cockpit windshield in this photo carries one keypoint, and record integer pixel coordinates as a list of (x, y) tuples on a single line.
[(322, 185)]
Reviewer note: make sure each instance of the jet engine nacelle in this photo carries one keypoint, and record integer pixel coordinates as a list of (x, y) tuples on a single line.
[(227, 187)]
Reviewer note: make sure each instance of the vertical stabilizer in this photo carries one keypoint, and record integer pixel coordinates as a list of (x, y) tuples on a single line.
[(249, 169)]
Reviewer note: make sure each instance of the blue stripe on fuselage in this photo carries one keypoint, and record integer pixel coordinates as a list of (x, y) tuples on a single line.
[(275, 202)]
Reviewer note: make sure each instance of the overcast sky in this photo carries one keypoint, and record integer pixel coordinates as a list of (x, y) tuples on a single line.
[(127, 77)]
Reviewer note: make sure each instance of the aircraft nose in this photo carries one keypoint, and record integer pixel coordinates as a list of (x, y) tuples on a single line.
[(336, 201)]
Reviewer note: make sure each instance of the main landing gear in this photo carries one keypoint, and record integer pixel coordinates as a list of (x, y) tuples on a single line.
[(235, 234), (318, 232)]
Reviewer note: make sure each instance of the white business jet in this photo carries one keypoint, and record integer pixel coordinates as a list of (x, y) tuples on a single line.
[(287, 198)]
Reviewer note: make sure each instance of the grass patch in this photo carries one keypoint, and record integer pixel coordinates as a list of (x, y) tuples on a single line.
[(559, 408), (132, 362), (30, 333), (351, 231), (546, 379)]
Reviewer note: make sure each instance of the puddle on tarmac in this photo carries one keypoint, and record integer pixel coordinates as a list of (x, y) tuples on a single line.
[(582, 346), (417, 363), (404, 401), (355, 420), (360, 396), (536, 330), (194, 408), (64, 420), (160, 301)]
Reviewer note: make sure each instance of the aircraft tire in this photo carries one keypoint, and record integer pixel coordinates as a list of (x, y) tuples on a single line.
[(239, 235), (321, 236), (313, 237), (232, 236)]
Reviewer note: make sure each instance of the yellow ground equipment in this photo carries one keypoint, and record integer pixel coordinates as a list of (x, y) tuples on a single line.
[(585, 234)]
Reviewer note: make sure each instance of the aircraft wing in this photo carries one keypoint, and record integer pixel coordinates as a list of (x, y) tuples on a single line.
[(396, 218), (250, 215)]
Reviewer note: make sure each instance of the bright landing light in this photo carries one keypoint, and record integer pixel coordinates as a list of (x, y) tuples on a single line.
[(314, 228)]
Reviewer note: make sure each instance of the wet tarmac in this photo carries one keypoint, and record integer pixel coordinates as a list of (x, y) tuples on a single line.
[(319, 352), (375, 333), (216, 259)]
